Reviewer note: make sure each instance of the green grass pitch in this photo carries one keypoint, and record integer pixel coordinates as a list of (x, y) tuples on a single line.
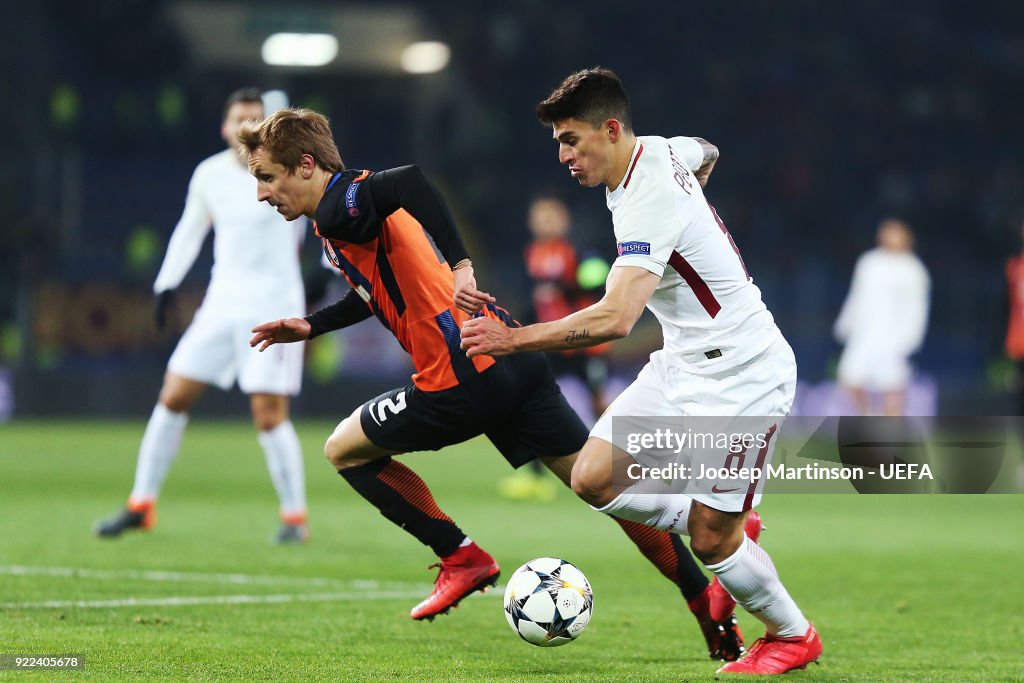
[(902, 588)]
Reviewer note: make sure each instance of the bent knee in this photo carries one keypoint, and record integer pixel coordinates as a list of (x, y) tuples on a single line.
[(268, 410), (591, 477), (175, 401), (266, 422), (336, 451), (347, 447), (712, 547), (596, 491)]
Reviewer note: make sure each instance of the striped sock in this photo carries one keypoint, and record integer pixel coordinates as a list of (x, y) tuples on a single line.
[(403, 498), (668, 553)]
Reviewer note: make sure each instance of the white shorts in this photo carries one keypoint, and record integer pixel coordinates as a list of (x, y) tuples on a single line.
[(866, 368), (215, 350), (760, 392)]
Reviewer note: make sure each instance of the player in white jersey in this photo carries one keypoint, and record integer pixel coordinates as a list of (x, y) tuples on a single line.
[(883, 319), (255, 277), (723, 354)]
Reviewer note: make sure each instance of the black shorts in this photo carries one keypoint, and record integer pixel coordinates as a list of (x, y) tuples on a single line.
[(515, 403)]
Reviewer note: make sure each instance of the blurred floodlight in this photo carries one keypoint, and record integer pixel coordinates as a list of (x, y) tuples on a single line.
[(300, 49), (426, 57)]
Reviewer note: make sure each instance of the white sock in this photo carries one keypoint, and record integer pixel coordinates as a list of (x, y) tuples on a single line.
[(159, 448), (750, 577), (284, 462), (666, 511)]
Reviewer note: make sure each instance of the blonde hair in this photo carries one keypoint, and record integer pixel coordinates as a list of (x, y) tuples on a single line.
[(287, 134)]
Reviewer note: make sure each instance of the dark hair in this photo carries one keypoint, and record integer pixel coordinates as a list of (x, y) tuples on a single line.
[(548, 196), (249, 94), (592, 95), (287, 134)]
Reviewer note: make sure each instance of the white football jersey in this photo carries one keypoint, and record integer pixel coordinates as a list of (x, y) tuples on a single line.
[(886, 309), (255, 250), (711, 314)]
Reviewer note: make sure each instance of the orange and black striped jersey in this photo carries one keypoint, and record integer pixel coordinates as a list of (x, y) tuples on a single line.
[(390, 235), (551, 264)]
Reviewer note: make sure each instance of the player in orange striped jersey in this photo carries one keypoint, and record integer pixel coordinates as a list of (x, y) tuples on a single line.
[(558, 291), (1014, 343), (391, 235)]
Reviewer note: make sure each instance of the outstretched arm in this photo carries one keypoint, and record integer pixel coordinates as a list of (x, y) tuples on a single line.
[(628, 290), (347, 311), (280, 331)]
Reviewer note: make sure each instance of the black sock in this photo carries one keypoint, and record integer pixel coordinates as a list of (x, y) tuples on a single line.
[(402, 497), (690, 579)]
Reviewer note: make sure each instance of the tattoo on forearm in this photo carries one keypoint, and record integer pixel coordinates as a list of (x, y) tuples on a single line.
[(710, 157), (710, 151), (575, 337)]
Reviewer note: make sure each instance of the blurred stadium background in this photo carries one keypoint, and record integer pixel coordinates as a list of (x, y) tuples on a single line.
[(829, 117)]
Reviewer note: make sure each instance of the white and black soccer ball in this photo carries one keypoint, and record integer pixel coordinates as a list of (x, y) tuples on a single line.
[(548, 602)]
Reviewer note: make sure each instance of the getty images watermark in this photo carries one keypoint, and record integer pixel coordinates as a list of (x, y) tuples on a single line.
[(747, 456)]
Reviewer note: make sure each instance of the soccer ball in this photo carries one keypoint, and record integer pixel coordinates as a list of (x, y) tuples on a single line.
[(548, 602)]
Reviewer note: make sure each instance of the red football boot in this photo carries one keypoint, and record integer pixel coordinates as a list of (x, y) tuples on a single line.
[(465, 571), (753, 526), (715, 609), (775, 655), (715, 612)]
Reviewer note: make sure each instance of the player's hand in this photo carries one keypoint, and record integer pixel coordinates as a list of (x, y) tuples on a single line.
[(163, 306), (487, 337), (280, 332), (467, 297)]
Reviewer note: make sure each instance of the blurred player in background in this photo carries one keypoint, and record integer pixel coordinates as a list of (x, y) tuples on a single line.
[(1014, 343), (255, 276), (723, 353), (384, 230), (883, 320), (557, 291)]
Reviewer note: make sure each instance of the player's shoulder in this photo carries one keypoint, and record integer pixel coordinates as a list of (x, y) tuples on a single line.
[(656, 173), (919, 267), (215, 165), (659, 159), (344, 192), (871, 263), (874, 255), (217, 161), (346, 204), (645, 165), (652, 150)]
